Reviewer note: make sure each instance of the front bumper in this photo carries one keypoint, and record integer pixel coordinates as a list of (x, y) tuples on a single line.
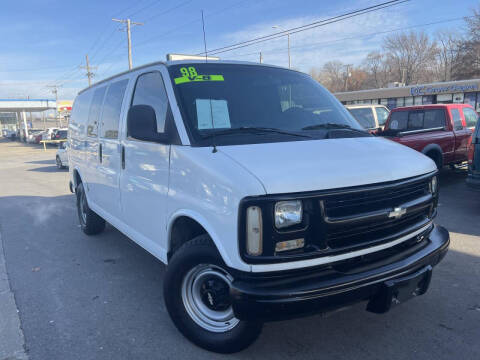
[(290, 294)]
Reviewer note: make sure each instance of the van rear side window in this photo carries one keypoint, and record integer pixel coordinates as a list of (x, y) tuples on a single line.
[(112, 108), (95, 111)]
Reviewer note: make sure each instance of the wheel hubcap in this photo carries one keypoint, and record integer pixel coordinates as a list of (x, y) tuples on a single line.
[(205, 295), (83, 208)]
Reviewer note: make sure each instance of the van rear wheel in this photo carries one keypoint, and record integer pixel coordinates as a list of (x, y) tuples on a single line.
[(90, 222), (196, 290)]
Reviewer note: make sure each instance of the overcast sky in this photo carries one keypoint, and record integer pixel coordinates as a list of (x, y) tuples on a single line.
[(45, 42)]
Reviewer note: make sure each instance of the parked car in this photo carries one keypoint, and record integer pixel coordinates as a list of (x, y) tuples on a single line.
[(371, 117), (438, 131), (10, 134), (39, 137), (59, 134), (49, 133), (61, 158), (32, 134), (473, 178), (260, 191)]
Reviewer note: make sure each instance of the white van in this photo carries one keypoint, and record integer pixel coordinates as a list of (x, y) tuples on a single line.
[(371, 117), (260, 191)]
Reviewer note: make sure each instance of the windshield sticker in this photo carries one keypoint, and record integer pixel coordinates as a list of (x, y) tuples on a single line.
[(190, 75), (212, 113)]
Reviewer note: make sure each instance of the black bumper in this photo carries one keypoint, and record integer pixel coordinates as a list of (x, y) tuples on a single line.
[(290, 294)]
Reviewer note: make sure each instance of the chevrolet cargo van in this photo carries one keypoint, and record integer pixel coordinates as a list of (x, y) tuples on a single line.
[(259, 190)]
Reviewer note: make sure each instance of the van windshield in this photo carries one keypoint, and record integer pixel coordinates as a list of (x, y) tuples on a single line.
[(239, 104)]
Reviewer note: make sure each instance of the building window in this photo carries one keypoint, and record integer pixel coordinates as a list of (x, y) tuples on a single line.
[(409, 101), (417, 100), (458, 98), (444, 99), (427, 99), (384, 102), (400, 102), (392, 103), (470, 98)]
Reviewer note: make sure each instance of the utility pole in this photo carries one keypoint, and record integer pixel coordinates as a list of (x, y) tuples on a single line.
[(288, 39), (129, 37), (55, 92), (347, 75), (89, 69), (261, 58)]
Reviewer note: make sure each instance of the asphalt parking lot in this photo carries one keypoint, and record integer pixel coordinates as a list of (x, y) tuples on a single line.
[(100, 297)]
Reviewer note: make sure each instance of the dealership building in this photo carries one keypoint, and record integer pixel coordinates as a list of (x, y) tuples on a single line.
[(464, 91)]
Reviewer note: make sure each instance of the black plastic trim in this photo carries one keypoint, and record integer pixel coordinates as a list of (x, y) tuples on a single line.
[(293, 293)]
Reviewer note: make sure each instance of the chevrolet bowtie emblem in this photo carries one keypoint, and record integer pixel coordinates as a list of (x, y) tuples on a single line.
[(397, 213)]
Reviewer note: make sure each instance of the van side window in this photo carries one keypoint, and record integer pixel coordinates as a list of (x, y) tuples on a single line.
[(95, 110), (112, 108), (78, 119), (150, 90), (457, 119), (471, 117)]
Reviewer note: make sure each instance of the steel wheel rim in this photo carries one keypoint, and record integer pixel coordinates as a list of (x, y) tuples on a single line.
[(82, 208), (211, 320)]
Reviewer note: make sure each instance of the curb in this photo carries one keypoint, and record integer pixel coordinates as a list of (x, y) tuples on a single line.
[(12, 342)]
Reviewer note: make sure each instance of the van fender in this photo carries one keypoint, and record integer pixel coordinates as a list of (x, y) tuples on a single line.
[(205, 224)]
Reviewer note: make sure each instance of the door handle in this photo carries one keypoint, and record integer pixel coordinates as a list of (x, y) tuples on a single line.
[(100, 152), (123, 157)]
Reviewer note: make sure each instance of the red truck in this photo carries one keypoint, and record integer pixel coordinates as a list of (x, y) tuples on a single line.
[(443, 132)]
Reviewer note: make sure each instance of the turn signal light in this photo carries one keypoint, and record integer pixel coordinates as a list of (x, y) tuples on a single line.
[(289, 245)]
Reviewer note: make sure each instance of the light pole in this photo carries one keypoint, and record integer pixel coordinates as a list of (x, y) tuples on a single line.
[(288, 39)]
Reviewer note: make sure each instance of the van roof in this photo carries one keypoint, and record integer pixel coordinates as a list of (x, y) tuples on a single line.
[(177, 62)]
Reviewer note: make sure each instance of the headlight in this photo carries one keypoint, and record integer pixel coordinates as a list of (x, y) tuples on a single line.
[(434, 185), (254, 231), (288, 213)]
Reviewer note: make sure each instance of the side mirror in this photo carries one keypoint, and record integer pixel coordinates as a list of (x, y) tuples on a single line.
[(142, 123)]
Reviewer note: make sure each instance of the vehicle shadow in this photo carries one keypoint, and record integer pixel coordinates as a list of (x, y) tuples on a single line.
[(52, 168), (41, 162), (106, 291)]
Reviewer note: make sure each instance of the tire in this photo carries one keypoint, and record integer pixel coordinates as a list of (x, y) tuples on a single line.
[(90, 222), (437, 158), (59, 163), (195, 260)]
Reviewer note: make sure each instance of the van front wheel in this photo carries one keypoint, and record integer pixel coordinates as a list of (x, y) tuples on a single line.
[(90, 222), (197, 295)]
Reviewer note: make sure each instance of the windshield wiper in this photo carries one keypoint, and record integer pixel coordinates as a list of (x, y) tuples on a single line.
[(330, 126), (253, 130)]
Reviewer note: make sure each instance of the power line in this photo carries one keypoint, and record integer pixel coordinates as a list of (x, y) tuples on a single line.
[(280, 50), (183, 25), (168, 10), (310, 26)]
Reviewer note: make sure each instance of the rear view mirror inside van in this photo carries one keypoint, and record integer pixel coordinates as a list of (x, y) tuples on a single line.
[(142, 123)]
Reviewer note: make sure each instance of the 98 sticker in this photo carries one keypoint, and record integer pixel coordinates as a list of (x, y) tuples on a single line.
[(189, 74)]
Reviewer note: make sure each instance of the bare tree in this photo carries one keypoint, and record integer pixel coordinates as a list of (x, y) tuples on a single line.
[(448, 46), (332, 75), (412, 55), (378, 70), (467, 63)]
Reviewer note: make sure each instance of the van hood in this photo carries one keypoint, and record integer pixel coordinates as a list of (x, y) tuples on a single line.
[(298, 166)]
